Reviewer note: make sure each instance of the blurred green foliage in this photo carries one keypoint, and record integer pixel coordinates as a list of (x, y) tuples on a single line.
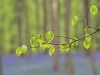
[(9, 27)]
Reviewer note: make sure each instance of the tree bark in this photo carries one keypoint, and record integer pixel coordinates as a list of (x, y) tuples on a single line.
[(37, 16), (45, 19), (37, 21), (98, 26), (1, 65), (54, 28), (45, 15), (25, 12), (89, 51), (18, 20), (1, 37), (85, 11), (69, 68)]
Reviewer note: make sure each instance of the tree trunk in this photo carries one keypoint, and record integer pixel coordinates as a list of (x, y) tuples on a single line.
[(89, 51), (69, 68), (28, 53), (18, 20), (1, 65), (45, 15), (93, 63), (2, 42), (37, 21), (54, 27), (45, 19), (98, 26), (85, 11)]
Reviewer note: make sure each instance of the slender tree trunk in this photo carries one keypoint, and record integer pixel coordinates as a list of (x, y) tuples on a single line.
[(1, 50), (45, 15), (45, 19), (85, 11), (58, 16), (89, 51), (1, 37), (69, 68), (28, 53), (37, 16), (1, 45), (18, 20), (13, 36), (55, 30), (37, 21), (98, 26), (93, 64), (1, 65)]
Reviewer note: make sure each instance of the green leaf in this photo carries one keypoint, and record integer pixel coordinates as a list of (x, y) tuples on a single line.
[(33, 48), (86, 44), (49, 44), (64, 47), (75, 19), (93, 10), (67, 49), (33, 41), (24, 48), (73, 41), (49, 35), (86, 30), (88, 37), (18, 52), (87, 41), (40, 38), (21, 50), (43, 44), (52, 50)]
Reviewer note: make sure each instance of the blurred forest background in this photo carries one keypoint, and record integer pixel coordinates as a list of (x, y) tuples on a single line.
[(20, 19)]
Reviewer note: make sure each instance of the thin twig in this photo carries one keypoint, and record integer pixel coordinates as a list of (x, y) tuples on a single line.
[(64, 37), (93, 28), (69, 38), (84, 37)]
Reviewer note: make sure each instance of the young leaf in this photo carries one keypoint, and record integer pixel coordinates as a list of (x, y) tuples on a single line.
[(75, 19), (24, 48), (65, 47), (52, 50), (18, 52), (93, 10), (86, 44), (49, 44), (33, 49), (49, 35), (33, 41), (86, 30), (73, 41), (88, 37), (40, 38), (43, 44)]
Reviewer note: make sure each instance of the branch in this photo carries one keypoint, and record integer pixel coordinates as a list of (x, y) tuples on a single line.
[(68, 38), (85, 37)]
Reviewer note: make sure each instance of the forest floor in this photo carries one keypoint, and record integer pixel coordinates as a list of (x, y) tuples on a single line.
[(43, 64)]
